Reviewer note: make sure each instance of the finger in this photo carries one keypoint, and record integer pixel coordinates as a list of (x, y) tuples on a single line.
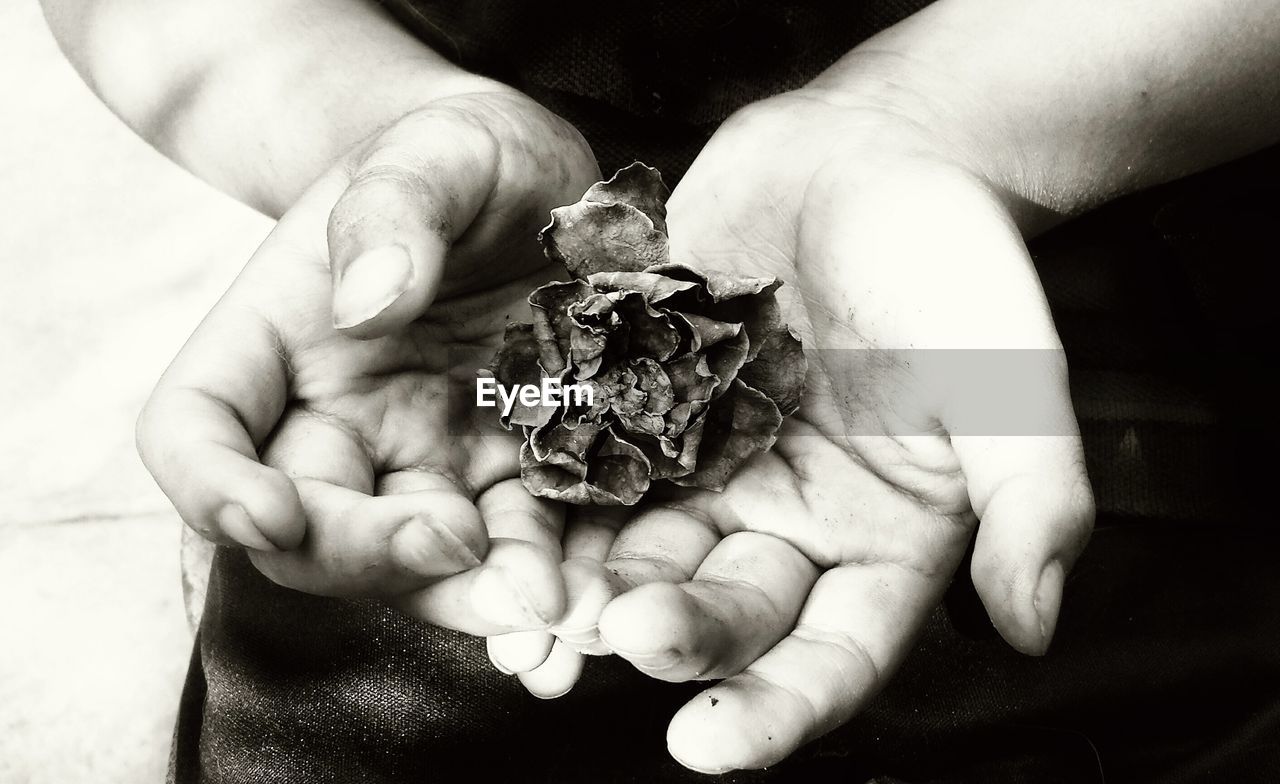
[(591, 531), (1035, 506), (555, 676), (360, 545), (857, 625), (412, 193), (744, 598), (590, 586), (589, 534), (487, 601), (309, 445), (1014, 432), (519, 651), (519, 586), (510, 512), (199, 432), (663, 543)]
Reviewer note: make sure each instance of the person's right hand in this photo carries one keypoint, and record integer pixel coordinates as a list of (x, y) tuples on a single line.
[(309, 418)]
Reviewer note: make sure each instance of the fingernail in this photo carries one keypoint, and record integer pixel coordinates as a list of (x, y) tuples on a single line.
[(498, 666), (370, 283), (431, 550), (650, 660), (653, 663), (535, 690), (578, 638), (1048, 600), (235, 522)]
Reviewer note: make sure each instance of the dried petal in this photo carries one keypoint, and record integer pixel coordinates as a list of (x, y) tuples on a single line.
[(720, 285), (692, 384), (652, 332), (555, 436), (657, 289), (641, 423), (760, 316), (617, 474), (653, 381), (749, 301), (691, 378), (515, 365), (550, 305), (779, 370), (740, 424), (596, 311), (586, 350), (590, 237), (654, 388), (726, 358), (638, 185), (673, 457), (622, 391), (706, 332), (619, 469), (690, 371), (554, 477)]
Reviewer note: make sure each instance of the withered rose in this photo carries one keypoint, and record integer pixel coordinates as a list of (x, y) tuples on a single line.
[(691, 372)]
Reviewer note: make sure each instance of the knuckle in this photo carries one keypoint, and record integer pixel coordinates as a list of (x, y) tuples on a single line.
[(461, 127)]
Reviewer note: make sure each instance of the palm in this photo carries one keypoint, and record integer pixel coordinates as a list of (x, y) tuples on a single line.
[(805, 581), (863, 475), (871, 415), (380, 417), (394, 478)]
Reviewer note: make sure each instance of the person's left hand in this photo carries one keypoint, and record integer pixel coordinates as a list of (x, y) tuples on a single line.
[(937, 397)]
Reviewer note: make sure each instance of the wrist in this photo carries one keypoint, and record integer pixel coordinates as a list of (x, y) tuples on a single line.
[(909, 112), (264, 141), (313, 117), (876, 134), (259, 97), (1061, 107)]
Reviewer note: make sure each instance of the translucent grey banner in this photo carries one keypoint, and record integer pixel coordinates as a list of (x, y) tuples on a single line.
[(849, 393)]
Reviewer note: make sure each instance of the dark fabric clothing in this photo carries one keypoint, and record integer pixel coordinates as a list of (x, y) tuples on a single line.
[(649, 80), (1166, 666)]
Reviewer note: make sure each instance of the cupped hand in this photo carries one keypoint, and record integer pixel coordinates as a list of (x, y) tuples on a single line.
[(937, 405), (322, 415)]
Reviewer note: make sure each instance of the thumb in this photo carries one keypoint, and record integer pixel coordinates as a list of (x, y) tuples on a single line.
[(413, 191), (1035, 506)]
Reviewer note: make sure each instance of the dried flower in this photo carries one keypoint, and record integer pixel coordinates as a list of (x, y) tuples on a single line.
[(691, 372)]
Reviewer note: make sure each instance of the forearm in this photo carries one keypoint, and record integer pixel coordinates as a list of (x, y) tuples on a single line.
[(255, 96), (1068, 104)]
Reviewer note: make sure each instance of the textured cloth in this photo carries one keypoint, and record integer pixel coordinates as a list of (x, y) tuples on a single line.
[(1166, 664), (648, 80)]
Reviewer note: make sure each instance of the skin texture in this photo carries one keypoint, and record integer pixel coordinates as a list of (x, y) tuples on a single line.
[(262, 108), (807, 579), (340, 456), (893, 194)]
